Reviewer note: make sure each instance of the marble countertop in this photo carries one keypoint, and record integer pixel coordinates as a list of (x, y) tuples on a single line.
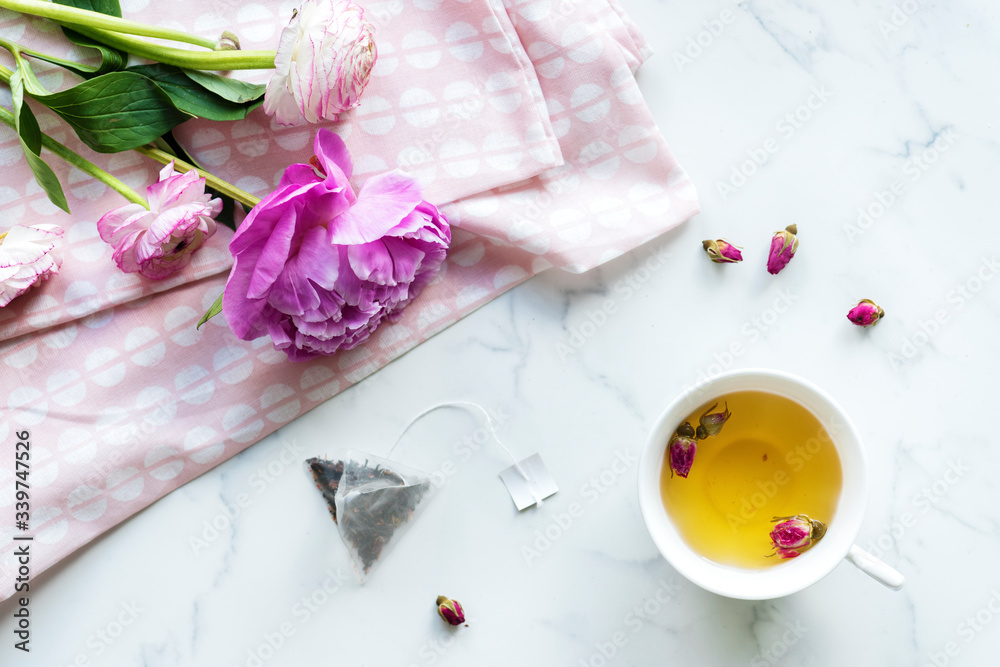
[(871, 127)]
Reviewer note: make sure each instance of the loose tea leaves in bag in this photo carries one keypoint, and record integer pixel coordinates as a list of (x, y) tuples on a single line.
[(373, 502), (327, 475)]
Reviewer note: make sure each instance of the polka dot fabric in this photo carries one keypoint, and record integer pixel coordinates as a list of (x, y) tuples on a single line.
[(522, 119)]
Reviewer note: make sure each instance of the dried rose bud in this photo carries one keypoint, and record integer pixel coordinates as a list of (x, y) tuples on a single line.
[(450, 610), (794, 534), (680, 455), (722, 251), (783, 247), (713, 423), (866, 313)]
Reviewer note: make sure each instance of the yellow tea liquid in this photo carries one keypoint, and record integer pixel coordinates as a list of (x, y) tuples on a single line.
[(772, 458)]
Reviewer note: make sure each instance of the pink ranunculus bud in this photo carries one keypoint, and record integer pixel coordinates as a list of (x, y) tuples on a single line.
[(866, 313), (722, 251), (160, 241), (450, 610), (794, 534), (713, 422), (783, 247), (319, 268), (680, 454), (324, 60), (26, 258)]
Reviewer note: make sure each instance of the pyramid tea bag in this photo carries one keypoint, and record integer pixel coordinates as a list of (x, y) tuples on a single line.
[(373, 501)]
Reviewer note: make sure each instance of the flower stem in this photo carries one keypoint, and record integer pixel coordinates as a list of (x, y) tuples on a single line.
[(217, 183), (72, 17), (81, 163), (207, 60)]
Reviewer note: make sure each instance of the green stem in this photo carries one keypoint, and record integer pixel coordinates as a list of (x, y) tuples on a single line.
[(81, 163), (53, 59), (72, 17), (217, 183), (207, 60)]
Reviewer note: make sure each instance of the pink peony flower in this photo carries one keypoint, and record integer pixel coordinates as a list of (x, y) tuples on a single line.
[(26, 258), (722, 251), (794, 534), (680, 454), (450, 610), (866, 313), (324, 60), (160, 241), (319, 268), (783, 247)]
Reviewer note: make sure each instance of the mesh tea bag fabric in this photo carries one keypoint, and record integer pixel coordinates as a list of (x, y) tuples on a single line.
[(374, 502)]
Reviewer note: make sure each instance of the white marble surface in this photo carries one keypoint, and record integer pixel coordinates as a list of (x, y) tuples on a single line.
[(142, 595)]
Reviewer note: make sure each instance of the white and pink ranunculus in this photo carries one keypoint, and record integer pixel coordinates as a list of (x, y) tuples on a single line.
[(160, 241), (324, 60), (26, 258)]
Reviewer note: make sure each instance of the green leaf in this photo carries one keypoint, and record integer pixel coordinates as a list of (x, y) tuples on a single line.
[(211, 312), (233, 90), (190, 97), (111, 59), (31, 143), (117, 111), (107, 7)]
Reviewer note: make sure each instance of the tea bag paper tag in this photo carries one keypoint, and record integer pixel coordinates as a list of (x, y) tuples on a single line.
[(529, 482)]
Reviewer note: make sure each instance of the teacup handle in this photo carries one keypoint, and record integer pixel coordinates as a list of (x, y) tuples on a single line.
[(875, 568)]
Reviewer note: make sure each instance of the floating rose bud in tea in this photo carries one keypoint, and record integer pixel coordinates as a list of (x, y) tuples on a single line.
[(450, 610), (680, 454), (712, 422), (866, 313), (722, 251), (783, 247), (794, 534)]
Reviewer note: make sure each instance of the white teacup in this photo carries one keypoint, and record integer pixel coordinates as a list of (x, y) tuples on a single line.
[(795, 574)]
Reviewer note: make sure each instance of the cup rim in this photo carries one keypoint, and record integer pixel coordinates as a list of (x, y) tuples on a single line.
[(787, 577)]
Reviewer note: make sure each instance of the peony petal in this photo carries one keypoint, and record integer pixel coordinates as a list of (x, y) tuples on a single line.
[(384, 201), (274, 255), (332, 153)]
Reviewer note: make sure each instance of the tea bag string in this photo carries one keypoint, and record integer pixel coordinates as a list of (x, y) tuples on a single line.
[(489, 423)]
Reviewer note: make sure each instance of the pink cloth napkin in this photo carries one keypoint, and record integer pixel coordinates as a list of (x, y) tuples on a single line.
[(525, 117)]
